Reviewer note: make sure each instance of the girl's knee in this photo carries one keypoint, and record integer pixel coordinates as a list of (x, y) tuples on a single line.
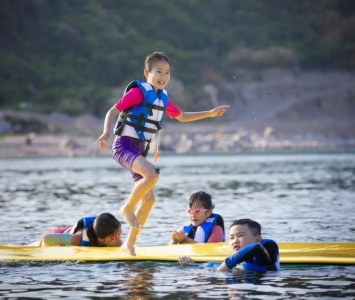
[(153, 177), (149, 199)]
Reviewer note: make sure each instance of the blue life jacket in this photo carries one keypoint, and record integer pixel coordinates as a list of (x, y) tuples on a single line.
[(87, 221), (144, 121), (204, 230), (263, 256)]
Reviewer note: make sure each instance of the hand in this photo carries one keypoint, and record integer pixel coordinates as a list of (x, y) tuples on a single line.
[(185, 260), (173, 239), (218, 111), (102, 140), (179, 237)]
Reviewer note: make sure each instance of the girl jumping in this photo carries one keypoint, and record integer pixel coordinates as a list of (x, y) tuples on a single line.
[(141, 110)]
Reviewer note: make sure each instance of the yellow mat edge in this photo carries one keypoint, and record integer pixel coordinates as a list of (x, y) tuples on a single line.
[(290, 253)]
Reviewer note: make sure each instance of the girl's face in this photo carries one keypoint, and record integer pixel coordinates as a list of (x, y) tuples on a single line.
[(198, 214), (159, 75), (241, 236)]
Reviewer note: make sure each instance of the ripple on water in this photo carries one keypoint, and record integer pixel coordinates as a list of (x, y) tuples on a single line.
[(296, 198)]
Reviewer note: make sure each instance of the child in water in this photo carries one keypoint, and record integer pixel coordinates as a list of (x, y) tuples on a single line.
[(251, 251), (103, 230), (141, 110), (204, 226)]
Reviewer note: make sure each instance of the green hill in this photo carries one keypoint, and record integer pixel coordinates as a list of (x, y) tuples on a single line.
[(68, 55)]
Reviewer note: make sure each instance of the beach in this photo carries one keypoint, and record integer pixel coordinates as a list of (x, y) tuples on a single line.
[(77, 137)]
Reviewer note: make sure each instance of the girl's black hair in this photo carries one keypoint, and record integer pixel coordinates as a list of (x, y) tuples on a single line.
[(92, 236), (201, 198), (103, 226), (153, 58)]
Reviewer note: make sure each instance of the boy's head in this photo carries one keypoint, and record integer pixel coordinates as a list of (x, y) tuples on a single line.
[(107, 229), (244, 232)]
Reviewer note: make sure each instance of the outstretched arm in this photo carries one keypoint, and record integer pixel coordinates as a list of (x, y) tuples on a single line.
[(107, 125), (199, 115)]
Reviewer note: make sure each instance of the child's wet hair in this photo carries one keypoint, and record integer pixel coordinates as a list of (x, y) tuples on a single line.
[(254, 226), (106, 225), (201, 198), (153, 58)]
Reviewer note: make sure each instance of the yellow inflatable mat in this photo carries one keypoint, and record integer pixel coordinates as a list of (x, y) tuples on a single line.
[(290, 253)]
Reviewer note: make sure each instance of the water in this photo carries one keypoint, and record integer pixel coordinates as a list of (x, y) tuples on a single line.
[(304, 197)]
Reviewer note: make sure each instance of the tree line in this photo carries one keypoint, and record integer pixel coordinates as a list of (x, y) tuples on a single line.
[(69, 55)]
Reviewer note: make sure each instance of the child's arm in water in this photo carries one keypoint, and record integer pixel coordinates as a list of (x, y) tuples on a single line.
[(223, 267), (187, 260), (255, 255), (246, 254)]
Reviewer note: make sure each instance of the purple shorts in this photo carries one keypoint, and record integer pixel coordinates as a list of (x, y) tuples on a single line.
[(125, 150)]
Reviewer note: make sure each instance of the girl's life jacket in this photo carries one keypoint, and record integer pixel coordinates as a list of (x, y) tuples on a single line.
[(144, 121), (84, 223), (202, 233), (62, 236)]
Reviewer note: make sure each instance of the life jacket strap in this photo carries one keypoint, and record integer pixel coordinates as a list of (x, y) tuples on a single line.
[(140, 127), (123, 120), (153, 106)]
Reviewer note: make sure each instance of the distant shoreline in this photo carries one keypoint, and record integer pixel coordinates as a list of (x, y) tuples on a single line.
[(17, 146), (67, 136)]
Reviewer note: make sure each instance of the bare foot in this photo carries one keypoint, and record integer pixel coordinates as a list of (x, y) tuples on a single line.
[(130, 250), (130, 218)]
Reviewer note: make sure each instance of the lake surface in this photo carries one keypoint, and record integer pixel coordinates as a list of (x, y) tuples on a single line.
[(297, 197)]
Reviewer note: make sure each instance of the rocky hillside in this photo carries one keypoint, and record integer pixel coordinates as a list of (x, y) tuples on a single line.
[(284, 96), (270, 109)]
